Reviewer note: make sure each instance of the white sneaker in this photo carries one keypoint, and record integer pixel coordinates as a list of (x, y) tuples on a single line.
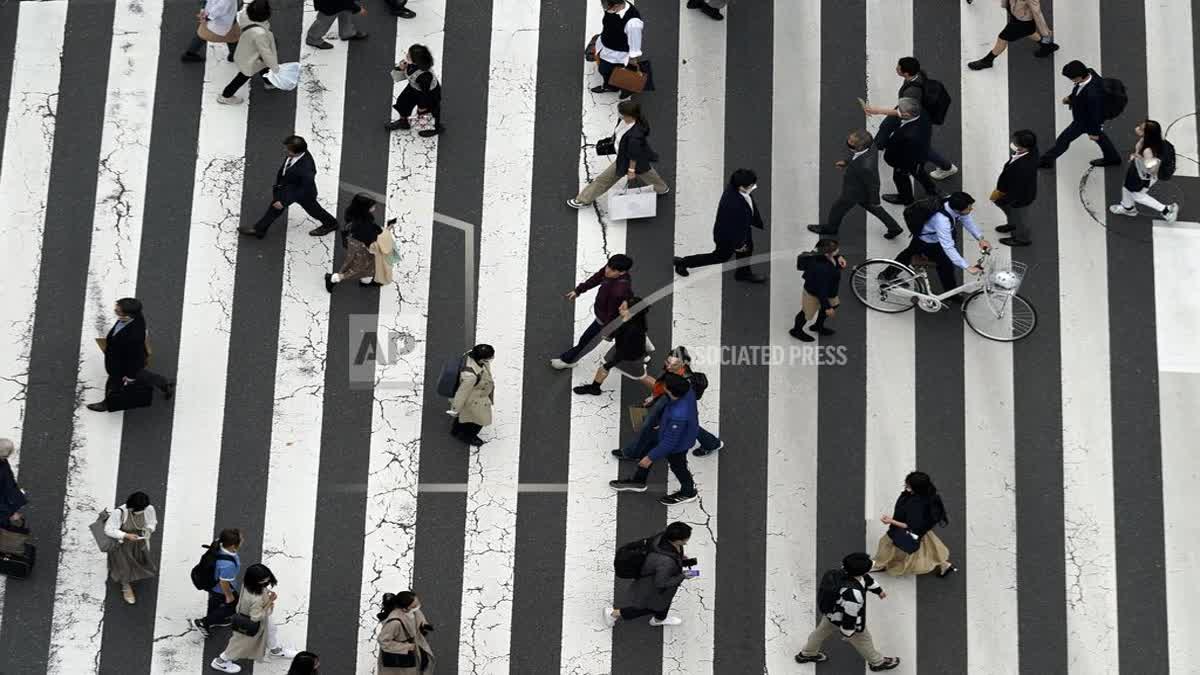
[(669, 621), (942, 174), (284, 652), (575, 204), (1122, 211), (230, 100), (1172, 213), (559, 364), (609, 619), (225, 666)]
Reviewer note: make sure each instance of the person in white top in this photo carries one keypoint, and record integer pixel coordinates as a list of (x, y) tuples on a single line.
[(219, 17), (1144, 165), (131, 525), (619, 42)]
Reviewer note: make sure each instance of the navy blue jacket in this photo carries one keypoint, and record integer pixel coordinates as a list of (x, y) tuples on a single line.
[(1087, 105), (735, 218), (678, 427), (821, 280), (904, 146)]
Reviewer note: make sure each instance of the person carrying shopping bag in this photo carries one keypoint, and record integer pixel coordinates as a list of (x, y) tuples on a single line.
[(634, 159), (910, 546)]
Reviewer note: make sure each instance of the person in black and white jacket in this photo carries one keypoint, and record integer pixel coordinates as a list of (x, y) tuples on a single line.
[(849, 615)]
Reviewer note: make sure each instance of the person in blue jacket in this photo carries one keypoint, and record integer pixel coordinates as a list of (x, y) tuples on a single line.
[(678, 429)]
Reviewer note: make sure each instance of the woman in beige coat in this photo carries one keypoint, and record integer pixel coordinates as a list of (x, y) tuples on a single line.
[(256, 51), (257, 601), (471, 406), (402, 636)]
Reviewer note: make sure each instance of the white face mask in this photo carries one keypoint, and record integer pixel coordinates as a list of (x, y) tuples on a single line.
[(751, 188), (1012, 147)]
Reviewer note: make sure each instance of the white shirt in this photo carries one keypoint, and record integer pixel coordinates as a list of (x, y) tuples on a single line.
[(633, 33), (221, 15), (1146, 163), (859, 153), (291, 161), (910, 119), (622, 127), (746, 196), (1017, 156), (112, 527)]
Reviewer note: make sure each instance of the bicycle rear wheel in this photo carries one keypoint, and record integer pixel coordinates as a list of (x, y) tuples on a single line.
[(1011, 321), (875, 283)]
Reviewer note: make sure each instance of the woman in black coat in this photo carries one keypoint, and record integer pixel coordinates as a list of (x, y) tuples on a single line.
[(630, 350), (423, 91), (635, 158), (12, 498), (909, 546)]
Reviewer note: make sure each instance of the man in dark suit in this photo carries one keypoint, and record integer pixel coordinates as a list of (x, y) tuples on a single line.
[(125, 356), (860, 186), (1087, 117), (295, 183), (1017, 187), (905, 140), (737, 213)]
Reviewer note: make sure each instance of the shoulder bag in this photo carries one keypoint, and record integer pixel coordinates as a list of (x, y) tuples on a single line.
[(103, 542), (242, 623), (608, 145), (399, 659)]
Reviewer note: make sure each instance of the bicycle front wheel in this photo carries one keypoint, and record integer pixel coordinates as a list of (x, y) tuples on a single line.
[(879, 284), (1004, 322)]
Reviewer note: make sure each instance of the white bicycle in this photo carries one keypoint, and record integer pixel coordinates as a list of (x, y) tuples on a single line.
[(992, 308)]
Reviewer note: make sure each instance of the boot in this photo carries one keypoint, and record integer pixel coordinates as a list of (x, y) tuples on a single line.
[(797, 330), (819, 326)]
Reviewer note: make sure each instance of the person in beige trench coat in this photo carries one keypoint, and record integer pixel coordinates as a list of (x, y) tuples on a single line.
[(471, 406), (402, 630), (257, 601)]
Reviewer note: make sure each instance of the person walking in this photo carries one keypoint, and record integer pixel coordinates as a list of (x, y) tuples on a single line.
[(361, 231), (12, 497), (254, 635), (910, 546), (125, 351), (295, 183), (635, 158), (710, 8), (258, 53), (423, 91), (1145, 162), (619, 44), (917, 85), (936, 240), (1087, 117), (305, 663), (403, 648), (223, 594), (661, 575), (860, 187), (471, 406), (630, 351), (819, 300), (1025, 20), (344, 12), (678, 430), (679, 362), (842, 601), (737, 214), (399, 8), (217, 23), (1016, 188), (131, 525), (615, 286), (904, 140)]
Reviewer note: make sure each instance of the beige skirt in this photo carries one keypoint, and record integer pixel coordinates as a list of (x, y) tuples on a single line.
[(931, 555)]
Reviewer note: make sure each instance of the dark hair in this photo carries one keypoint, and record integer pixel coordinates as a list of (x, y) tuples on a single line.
[(295, 143), (960, 200), (1025, 139), (1074, 69), (1152, 137), (677, 385), (481, 352), (259, 10), (620, 262), (862, 138), (857, 564), (258, 578), (743, 178), (360, 207), (420, 56), (909, 65), (230, 537), (130, 306), (681, 353), (305, 663), (613, 3), (922, 486), (677, 531), (633, 109), (138, 501), (394, 601), (827, 246)]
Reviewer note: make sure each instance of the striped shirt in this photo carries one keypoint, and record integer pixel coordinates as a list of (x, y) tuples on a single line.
[(850, 616)]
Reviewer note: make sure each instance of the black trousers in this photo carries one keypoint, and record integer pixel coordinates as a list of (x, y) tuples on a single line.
[(144, 376), (628, 613), (465, 430), (237, 82), (198, 46), (310, 206), (902, 177), (946, 270), (218, 613), (679, 467), (722, 253), (410, 98), (587, 342), (843, 205), (1067, 137)]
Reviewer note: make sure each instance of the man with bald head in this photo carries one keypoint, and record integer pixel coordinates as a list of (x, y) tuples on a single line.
[(860, 186)]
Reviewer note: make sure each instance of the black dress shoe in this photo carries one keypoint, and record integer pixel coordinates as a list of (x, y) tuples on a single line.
[(251, 232), (403, 12), (1105, 162), (625, 94), (680, 269), (751, 278), (817, 229), (981, 64), (693, 4), (1045, 50), (711, 12), (603, 89), (98, 407), (322, 230), (800, 335), (1005, 228), (401, 123), (1013, 241), (892, 234), (323, 44), (329, 283), (192, 57), (893, 198), (430, 133)]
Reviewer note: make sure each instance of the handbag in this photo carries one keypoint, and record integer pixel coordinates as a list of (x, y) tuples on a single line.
[(608, 145), (904, 540), (630, 79), (103, 542), (205, 33), (242, 623), (399, 659), (589, 52), (13, 539), (627, 203)]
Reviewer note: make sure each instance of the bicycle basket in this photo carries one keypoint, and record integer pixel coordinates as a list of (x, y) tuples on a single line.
[(1001, 282)]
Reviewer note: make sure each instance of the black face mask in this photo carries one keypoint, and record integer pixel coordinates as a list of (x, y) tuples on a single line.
[(852, 148)]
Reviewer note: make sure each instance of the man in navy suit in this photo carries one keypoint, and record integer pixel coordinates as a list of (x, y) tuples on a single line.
[(737, 213), (295, 183), (1087, 117), (904, 141)]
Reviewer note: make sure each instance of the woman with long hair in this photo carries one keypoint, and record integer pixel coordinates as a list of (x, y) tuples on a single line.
[(1142, 174), (909, 546), (403, 649), (131, 525), (635, 157), (305, 663), (630, 351), (258, 636), (361, 231)]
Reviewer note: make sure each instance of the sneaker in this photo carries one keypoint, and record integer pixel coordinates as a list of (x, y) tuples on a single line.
[(609, 619), (942, 574), (701, 452), (576, 204), (669, 621), (230, 100), (283, 652), (626, 486), (677, 498), (1118, 209), (1172, 213), (886, 664), (815, 658), (198, 624), (225, 666), (943, 174), (559, 364), (585, 389), (329, 283), (800, 335), (127, 594), (430, 133)]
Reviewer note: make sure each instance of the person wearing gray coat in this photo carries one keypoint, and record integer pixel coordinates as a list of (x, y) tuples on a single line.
[(662, 573)]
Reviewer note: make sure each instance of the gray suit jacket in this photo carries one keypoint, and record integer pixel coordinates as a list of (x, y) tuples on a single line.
[(860, 178)]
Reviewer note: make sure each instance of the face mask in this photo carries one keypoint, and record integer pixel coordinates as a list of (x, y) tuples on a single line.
[(750, 189), (852, 148), (1012, 147)]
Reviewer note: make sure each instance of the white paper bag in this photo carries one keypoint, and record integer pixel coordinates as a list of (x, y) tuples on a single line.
[(625, 203), (286, 78)]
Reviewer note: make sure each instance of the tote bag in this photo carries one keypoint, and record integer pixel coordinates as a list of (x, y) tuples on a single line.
[(286, 78), (103, 542), (627, 202)]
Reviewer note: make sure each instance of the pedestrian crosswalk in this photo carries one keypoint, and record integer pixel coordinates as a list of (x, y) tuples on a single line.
[(347, 484)]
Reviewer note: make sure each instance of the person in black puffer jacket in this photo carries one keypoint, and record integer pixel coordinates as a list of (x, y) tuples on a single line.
[(822, 275), (630, 348)]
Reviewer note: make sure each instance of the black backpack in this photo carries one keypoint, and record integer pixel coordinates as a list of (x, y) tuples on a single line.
[(699, 384), (830, 590), (1115, 98), (204, 574), (917, 214), (630, 558), (447, 384), (935, 100), (1166, 163)]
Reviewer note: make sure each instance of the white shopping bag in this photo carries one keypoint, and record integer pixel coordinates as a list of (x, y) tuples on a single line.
[(626, 202), (286, 78)]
